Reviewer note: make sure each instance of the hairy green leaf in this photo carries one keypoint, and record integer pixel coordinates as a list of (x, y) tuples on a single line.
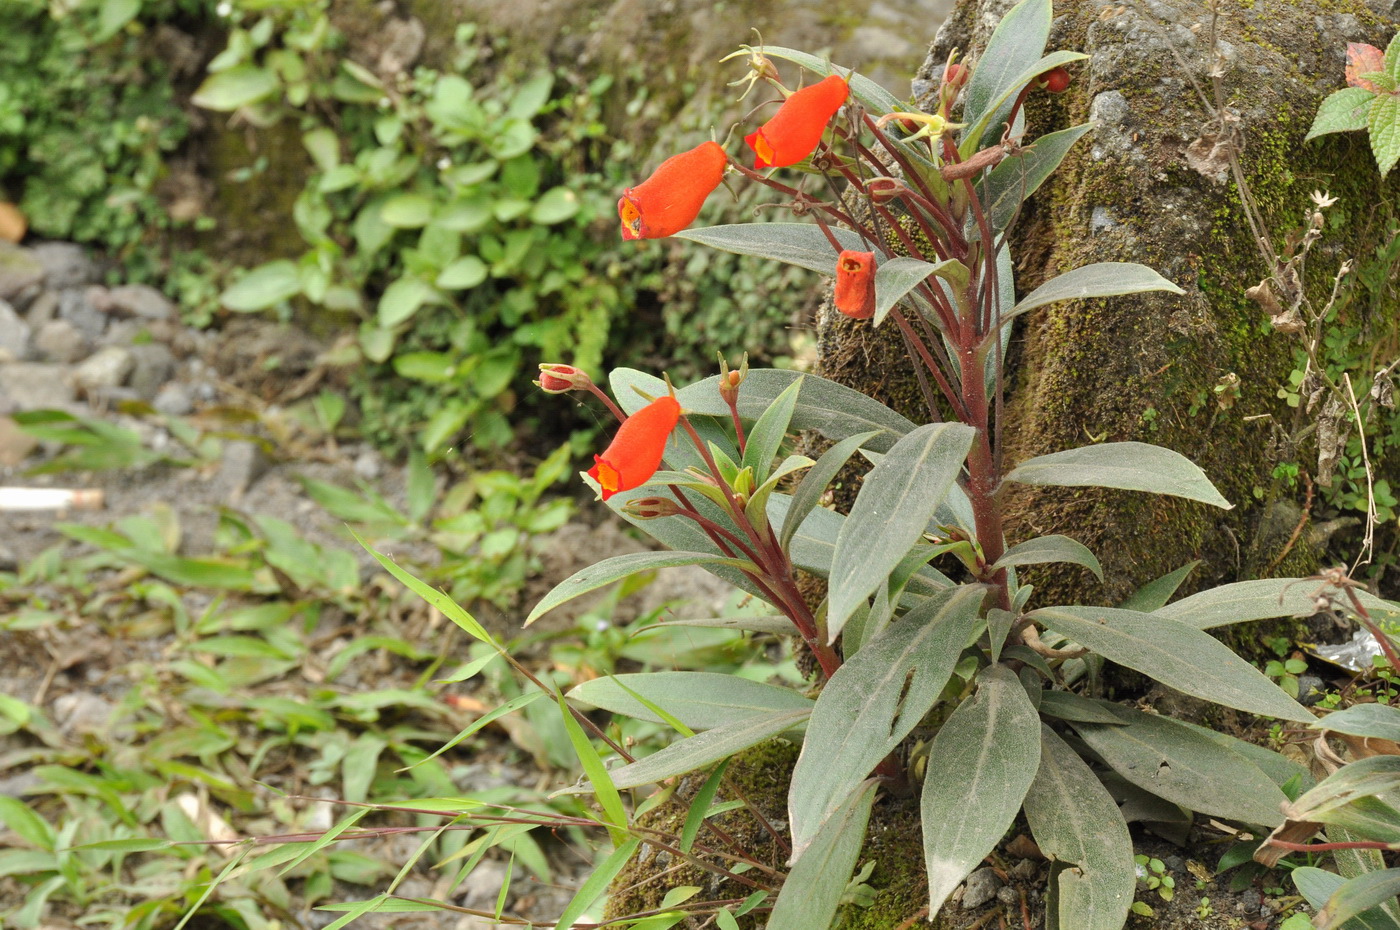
[(1010, 183), (616, 568), (1016, 44), (767, 434), (1129, 466), (1343, 111), (721, 742), (1155, 594), (800, 244), (1262, 599), (1101, 279), (897, 276), (1383, 120), (700, 700), (812, 891), (809, 492), (1050, 549), (980, 766)]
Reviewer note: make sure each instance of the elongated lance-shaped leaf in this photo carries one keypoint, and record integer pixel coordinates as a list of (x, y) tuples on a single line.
[(809, 492), (980, 767), (1155, 594), (800, 244), (1010, 183), (1379, 721), (597, 883), (1066, 705), (992, 127), (1318, 885), (898, 276), (1180, 657), (614, 814), (687, 755), (1051, 549), (1078, 826), (1101, 279), (1129, 466), (1357, 896), (873, 701), (1172, 761), (1264, 598), (1016, 44), (895, 502), (1353, 863), (700, 700), (767, 434), (450, 608), (812, 891), (831, 409), (618, 567), (1375, 780)]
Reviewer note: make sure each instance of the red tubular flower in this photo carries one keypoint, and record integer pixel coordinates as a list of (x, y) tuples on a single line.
[(855, 284), (635, 452), (671, 198), (794, 131)]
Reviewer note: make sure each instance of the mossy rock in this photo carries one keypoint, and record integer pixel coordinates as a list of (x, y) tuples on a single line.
[(1147, 186)]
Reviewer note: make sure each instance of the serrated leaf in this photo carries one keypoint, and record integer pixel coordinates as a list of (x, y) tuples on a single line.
[(237, 87), (1008, 185), (1262, 599), (1078, 826), (812, 891), (721, 742), (980, 767), (1343, 111), (1172, 761), (1101, 279), (1128, 466), (617, 568), (1383, 121), (1181, 657), (897, 276), (700, 700), (265, 286), (808, 493), (1053, 548), (896, 501), (800, 244), (873, 702)]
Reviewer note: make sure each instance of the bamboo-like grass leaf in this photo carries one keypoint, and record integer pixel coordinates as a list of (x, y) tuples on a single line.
[(1100, 279), (812, 892), (873, 701), (1172, 761), (1077, 824), (1176, 655), (980, 766), (700, 700), (1129, 466), (1051, 549), (895, 503), (618, 567), (687, 755)]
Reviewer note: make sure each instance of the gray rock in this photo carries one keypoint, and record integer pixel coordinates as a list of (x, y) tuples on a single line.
[(368, 466), (980, 888), (79, 713), (19, 270), (481, 886), (1309, 690), (62, 342), (242, 463), (141, 300), (108, 367), (76, 305), (34, 386), (15, 446), (173, 400), (65, 264), (14, 333), (153, 367), (43, 309), (1009, 897), (1249, 901)]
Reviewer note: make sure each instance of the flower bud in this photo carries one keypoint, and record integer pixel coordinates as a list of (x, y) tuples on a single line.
[(650, 508), (955, 76), (883, 190), (729, 381), (560, 379), (1056, 81)]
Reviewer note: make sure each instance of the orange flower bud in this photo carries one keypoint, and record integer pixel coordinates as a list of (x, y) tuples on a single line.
[(671, 198), (794, 131), (560, 379), (955, 76), (635, 452), (855, 284), (650, 508), (1056, 81)]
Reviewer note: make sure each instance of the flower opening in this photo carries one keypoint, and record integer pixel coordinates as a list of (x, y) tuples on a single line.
[(634, 455), (671, 198), (855, 284), (794, 131)]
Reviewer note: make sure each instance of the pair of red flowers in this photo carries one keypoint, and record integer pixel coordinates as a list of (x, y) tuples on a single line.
[(671, 198)]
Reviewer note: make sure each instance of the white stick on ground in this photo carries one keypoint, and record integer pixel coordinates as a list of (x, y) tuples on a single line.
[(50, 499)]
